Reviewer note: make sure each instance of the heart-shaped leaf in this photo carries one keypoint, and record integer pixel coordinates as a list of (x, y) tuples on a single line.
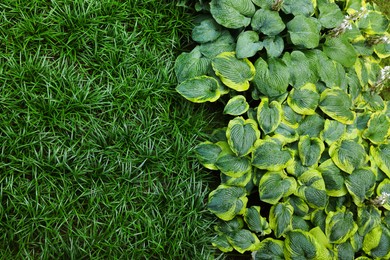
[(248, 44), (280, 218), (269, 155), (269, 115), (337, 104), (275, 185), (200, 89), (241, 135), (304, 100), (267, 22), (232, 14), (236, 106), (304, 31)]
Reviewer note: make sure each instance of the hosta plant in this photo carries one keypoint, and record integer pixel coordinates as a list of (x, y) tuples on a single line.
[(304, 161)]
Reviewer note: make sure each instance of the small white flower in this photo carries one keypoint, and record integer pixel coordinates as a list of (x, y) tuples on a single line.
[(381, 200)]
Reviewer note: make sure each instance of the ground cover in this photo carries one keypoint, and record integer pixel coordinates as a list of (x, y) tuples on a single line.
[(95, 159)]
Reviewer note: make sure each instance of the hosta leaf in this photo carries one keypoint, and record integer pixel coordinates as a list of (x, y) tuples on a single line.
[(233, 72), (348, 155), (344, 251), (224, 43), (244, 240), (318, 218), (301, 209), (337, 104), (241, 181), (269, 249), (377, 243), (330, 15), (371, 101), (312, 189), (311, 125), (290, 116), (304, 31), (327, 69), (267, 22), (382, 50), (227, 202), (296, 168), (190, 65), (236, 106), (256, 222), (374, 23), (206, 29), (200, 89), (269, 115), (248, 44), (304, 100), (368, 217), (333, 178), (232, 14), (207, 154), (360, 184), (302, 7), (310, 150), (270, 155), (222, 243), (280, 218), (340, 50), (301, 244), (271, 77), (378, 128), (381, 155), (241, 135), (232, 165), (274, 46), (302, 69), (231, 226), (340, 226), (333, 130), (300, 223), (285, 133), (275, 185), (383, 190)]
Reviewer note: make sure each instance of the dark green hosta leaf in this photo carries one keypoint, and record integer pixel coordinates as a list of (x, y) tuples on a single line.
[(377, 243), (368, 218), (290, 116), (224, 43), (271, 249), (200, 89), (348, 155), (236, 106), (312, 189), (378, 128), (267, 22), (280, 218), (274, 46), (206, 29), (301, 7), (304, 31), (227, 202), (270, 155), (381, 155), (228, 227), (330, 15), (207, 154), (275, 185), (333, 178), (221, 242), (374, 23), (234, 73), (326, 68), (256, 222), (311, 125), (244, 240), (301, 244), (340, 50), (304, 100), (382, 49), (301, 209), (340, 226), (344, 251), (337, 104), (241, 181), (232, 165), (333, 130), (269, 115), (248, 44), (286, 133), (318, 218), (241, 135), (360, 184), (272, 77), (190, 65), (232, 14), (303, 69), (310, 150)]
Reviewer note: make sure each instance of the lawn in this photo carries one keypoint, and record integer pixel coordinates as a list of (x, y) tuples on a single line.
[(95, 160)]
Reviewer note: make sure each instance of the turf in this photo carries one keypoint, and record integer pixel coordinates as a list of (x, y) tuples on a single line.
[(95, 160)]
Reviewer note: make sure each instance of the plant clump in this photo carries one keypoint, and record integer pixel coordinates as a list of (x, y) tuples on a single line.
[(304, 161)]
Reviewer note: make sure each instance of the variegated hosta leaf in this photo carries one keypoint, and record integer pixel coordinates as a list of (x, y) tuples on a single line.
[(337, 104), (377, 243), (303, 68), (207, 154), (290, 116), (378, 128), (296, 168), (231, 226), (368, 218), (232, 14), (224, 43), (248, 44), (348, 155), (190, 65), (304, 100), (267, 22), (256, 222), (333, 178), (275, 185), (232, 165), (332, 132), (206, 29), (301, 209), (200, 89), (383, 194), (318, 218), (340, 226), (280, 218), (382, 49), (234, 73), (270, 249), (310, 150), (240, 181), (300, 223), (337, 203), (241, 135), (227, 202), (269, 115), (301, 244), (304, 31), (374, 23), (344, 251), (244, 240), (312, 189), (236, 106), (339, 49), (270, 155), (360, 184), (221, 242), (285, 133), (370, 101), (381, 155), (311, 125)]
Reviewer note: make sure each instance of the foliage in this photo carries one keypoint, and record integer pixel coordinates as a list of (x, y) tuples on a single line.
[(305, 159)]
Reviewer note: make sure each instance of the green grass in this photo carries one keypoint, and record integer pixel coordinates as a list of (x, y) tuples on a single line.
[(95, 160)]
